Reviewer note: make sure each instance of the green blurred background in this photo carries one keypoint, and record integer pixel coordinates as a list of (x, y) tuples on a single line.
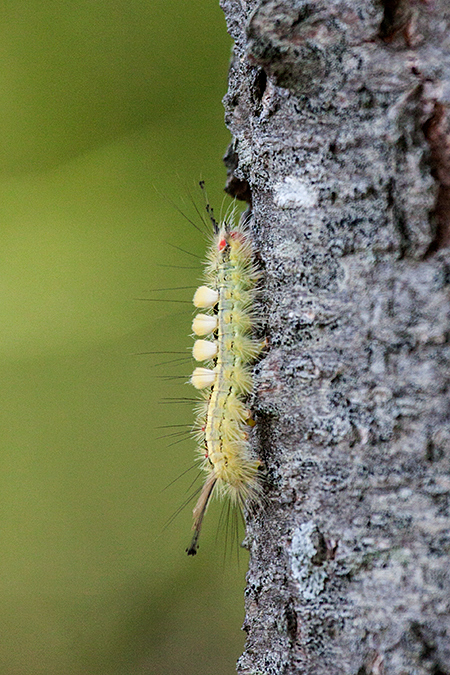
[(109, 111)]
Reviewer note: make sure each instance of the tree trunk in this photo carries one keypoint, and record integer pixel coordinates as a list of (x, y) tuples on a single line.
[(339, 111)]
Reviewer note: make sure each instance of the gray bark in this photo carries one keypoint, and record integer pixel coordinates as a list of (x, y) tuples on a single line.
[(339, 112)]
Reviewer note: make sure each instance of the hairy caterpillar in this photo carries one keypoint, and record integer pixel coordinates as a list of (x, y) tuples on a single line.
[(227, 347)]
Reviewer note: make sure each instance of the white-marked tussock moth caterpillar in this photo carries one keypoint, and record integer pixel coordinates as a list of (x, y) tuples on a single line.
[(227, 348)]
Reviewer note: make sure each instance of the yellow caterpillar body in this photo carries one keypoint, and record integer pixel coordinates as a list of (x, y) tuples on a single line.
[(222, 421)]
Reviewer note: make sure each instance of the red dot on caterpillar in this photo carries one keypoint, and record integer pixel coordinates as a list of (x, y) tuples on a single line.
[(222, 244)]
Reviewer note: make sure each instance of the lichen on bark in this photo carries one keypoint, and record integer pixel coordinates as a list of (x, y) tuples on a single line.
[(339, 114)]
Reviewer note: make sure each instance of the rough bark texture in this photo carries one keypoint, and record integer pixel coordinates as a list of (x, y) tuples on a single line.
[(339, 111)]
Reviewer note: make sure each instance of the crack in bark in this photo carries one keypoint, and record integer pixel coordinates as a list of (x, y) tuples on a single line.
[(396, 17), (437, 133), (234, 186)]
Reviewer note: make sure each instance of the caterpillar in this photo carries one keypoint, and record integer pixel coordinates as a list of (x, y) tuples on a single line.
[(227, 347)]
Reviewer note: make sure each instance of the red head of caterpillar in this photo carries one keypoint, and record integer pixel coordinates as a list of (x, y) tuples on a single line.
[(228, 348)]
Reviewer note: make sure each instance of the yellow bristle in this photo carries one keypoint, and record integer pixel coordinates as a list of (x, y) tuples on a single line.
[(242, 320), (246, 348), (242, 379)]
